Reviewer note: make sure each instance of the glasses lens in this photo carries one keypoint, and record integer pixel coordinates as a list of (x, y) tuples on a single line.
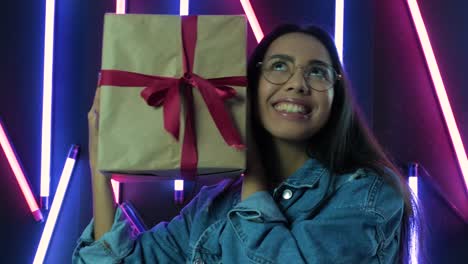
[(278, 71), (320, 77)]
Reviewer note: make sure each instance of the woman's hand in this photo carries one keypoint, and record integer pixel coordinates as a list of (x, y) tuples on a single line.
[(93, 120), (103, 198), (254, 177)]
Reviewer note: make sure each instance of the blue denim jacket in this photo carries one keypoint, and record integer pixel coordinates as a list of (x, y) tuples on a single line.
[(356, 221)]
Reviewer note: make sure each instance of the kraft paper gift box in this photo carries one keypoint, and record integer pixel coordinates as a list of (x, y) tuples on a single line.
[(150, 71)]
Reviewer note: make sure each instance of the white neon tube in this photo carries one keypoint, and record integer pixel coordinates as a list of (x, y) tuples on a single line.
[(339, 25), (47, 102), (184, 7), (56, 205), (116, 189), (121, 6), (178, 185), (413, 183)]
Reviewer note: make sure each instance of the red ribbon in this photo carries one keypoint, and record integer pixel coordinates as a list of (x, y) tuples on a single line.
[(164, 91)]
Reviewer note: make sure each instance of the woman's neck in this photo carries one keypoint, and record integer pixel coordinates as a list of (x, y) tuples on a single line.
[(286, 158)]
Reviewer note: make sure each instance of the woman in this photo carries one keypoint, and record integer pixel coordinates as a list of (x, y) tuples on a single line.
[(318, 188)]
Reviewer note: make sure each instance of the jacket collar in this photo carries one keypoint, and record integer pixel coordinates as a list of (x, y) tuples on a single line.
[(308, 175)]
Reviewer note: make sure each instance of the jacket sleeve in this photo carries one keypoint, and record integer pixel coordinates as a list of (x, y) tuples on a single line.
[(167, 242), (356, 232)]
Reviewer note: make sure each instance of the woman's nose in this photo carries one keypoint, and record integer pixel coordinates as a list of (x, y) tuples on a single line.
[(297, 83)]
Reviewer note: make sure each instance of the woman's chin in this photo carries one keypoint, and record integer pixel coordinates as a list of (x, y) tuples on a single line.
[(290, 135)]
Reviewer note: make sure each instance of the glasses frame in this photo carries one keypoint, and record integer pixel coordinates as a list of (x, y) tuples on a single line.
[(338, 76)]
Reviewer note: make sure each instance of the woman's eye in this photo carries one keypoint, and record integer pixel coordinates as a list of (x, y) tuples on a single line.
[(279, 66), (319, 72)]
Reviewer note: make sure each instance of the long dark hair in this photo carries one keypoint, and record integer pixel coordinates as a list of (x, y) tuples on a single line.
[(345, 143)]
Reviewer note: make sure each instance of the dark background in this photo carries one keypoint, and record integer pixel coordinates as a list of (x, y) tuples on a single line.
[(381, 54)]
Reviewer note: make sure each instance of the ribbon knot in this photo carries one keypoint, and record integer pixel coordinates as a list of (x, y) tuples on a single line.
[(188, 79), (187, 76)]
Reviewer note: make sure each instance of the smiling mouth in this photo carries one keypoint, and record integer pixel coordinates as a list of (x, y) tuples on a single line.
[(292, 108), (293, 112)]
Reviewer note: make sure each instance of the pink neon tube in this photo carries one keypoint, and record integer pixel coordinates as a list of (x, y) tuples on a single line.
[(17, 170), (249, 12), (440, 88)]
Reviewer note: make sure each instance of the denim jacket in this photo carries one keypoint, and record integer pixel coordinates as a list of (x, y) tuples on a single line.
[(309, 218)]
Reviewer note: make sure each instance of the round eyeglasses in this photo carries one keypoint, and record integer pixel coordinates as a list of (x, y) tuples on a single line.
[(317, 75)]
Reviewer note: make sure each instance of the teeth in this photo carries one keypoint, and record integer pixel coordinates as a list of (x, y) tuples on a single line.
[(290, 108)]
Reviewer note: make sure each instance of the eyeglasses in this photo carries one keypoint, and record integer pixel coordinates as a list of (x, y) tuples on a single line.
[(318, 75)]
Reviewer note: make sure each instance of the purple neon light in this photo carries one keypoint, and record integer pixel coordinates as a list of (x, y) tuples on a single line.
[(439, 88)]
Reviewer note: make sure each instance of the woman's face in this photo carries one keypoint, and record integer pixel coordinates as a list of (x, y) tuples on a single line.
[(293, 111)]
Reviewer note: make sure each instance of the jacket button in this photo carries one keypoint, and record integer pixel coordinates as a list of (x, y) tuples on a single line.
[(198, 261), (287, 194)]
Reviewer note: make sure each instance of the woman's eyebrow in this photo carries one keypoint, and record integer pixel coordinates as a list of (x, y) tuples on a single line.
[(315, 61), (282, 56), (292, 59)]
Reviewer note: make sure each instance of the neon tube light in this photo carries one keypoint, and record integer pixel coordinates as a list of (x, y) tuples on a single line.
[(440, 88), (178, 185), (184, 7), (339, 24), (248, 10), (56, 205), (116, 190), (121, 7), (133, 218), (47, 102), (18, 171), (413, 184), (179, 191)]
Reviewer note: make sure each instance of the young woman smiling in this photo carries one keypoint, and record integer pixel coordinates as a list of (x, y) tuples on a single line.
[(318, 187)]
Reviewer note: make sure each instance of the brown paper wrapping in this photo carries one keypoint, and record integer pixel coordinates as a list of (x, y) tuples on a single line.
[(132, 138)]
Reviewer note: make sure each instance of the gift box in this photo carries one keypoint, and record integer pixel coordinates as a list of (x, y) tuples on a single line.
[(172, 95)]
